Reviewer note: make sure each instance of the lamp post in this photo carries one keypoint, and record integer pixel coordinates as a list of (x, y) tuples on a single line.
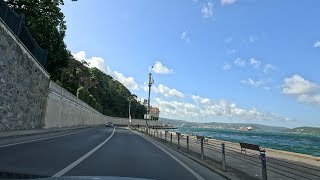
[(129, 114), (150, 84)]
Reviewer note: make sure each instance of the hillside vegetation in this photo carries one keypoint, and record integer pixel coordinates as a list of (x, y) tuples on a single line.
[(305, 130), (216, 125)]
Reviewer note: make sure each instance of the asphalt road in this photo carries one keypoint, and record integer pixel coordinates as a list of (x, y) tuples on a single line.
[(97, 152)]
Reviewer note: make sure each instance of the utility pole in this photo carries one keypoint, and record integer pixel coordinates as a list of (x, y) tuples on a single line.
[(129, 110), (150, 84)]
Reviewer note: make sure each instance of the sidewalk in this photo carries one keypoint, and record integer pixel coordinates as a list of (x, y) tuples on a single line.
[(18, 133)]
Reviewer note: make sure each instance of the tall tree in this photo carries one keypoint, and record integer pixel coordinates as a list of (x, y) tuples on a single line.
[(47, 26)]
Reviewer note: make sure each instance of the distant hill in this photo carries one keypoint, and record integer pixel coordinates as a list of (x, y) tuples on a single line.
[(304, 130), (216, 125)]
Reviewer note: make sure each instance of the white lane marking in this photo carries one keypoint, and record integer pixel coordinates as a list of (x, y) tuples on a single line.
[(78, 161), (23, 142), (176, 159)]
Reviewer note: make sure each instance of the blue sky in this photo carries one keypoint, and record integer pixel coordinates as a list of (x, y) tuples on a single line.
[(220, 60)]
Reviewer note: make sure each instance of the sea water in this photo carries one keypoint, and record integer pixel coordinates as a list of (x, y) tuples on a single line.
[(293, 142)]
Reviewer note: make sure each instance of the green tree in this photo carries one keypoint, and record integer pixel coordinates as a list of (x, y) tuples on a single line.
[(80, 93), (47, 26), (86, 97)]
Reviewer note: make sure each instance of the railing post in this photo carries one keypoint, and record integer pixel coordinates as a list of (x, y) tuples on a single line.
[(188, 143), (202, 149), (223, 158), (178, 141), (154, 133), (165, 135), (171, 138), (263, 165), (160, 134)]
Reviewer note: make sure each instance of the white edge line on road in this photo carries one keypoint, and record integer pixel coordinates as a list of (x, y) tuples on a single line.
[(176, 159), (13, 144), (78, 161)]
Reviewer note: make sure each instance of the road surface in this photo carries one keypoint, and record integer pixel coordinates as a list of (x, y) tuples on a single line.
[(98, 151)]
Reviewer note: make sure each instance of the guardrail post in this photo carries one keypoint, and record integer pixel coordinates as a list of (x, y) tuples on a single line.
[(171, 138), (202, 149), (161, 134), (188, 143), (223, 158), (178, 141), (263, 165), (165, 135), (154, 133)]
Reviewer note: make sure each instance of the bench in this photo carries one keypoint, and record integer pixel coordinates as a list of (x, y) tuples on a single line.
[(179, 134), (202, 137), (245, 146)]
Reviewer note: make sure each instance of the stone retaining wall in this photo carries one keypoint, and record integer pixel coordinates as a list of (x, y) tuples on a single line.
[(23, 84)]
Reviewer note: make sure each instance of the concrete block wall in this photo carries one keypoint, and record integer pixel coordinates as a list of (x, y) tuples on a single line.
[(64, 109), (23, 84)]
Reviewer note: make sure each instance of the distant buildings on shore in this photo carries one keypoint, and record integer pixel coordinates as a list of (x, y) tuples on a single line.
[(154, 111)]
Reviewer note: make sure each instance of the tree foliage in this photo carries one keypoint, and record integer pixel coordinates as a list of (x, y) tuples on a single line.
[(46, 24), (99, 90)]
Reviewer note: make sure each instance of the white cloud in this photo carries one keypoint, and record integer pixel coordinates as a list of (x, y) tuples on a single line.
[(255, 63), (167, 92), (240, 62), (198, 100), (185, 36), (268, 68), (255, 83), (303, 90), (226, 67), (99, 63), (231, 51), (209, 110), (316, 44), (129, 82), (162, 89), (227, 2), (207, 10), (228, 40), (253, 38), (159, 68)]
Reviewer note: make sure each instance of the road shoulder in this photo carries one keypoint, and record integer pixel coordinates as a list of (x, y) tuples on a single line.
[(200, 169)]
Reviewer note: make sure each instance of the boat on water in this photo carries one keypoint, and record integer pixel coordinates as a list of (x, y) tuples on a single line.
[(249, 128)]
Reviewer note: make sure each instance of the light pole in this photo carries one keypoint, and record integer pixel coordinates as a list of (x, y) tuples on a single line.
[(150, 84), (129, 116)]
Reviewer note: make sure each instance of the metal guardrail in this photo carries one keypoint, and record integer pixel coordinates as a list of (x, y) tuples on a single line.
[(17, 25), (221, 151)]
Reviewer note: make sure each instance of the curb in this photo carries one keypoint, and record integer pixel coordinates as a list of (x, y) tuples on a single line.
[(44, 132)]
